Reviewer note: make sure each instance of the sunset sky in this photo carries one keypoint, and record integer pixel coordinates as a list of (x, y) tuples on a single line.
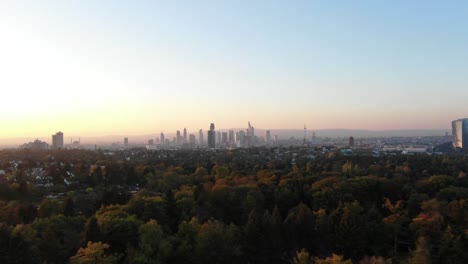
[(94, 68)]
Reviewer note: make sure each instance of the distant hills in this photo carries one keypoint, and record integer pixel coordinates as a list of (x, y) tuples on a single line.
[(281, 133)]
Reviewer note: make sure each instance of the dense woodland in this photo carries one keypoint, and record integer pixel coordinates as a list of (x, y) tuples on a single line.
[(288, 205)]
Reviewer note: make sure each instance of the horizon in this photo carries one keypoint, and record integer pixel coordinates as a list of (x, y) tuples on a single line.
[(285, 133), (91, 67)]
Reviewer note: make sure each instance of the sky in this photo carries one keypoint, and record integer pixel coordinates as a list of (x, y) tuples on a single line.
[(93, 68)]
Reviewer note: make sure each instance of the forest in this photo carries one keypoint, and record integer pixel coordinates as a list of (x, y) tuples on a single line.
[(259, 205)]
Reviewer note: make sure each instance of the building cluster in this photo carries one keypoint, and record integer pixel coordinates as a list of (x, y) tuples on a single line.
[(248, 138), (57, 143), (213, 139)]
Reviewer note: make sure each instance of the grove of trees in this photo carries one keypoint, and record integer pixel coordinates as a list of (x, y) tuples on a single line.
[(245, 206)]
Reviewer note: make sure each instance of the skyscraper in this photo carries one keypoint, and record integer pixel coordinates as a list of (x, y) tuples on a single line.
[(224, 138), (163, 142), (126, 142), (241, 140), (231, 137), (212, 136), (351, 141), (57, 140), (178, 138), (460, 134), (192, 140), (218, 137), (268, 137), (200, 137), (185, 135)]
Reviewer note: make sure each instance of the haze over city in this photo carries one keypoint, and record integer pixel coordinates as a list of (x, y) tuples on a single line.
[(96, 68)]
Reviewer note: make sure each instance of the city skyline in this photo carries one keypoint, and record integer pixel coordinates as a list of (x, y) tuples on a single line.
[(97, 68)]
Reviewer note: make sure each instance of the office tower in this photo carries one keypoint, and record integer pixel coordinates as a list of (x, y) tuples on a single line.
[(126, 142), (275, 138), (305, 131), (57, 140), (163, 141), (218, 137), (224, 138), (185, 135), (351, 141), (231, 137), (250, 135), (268, 137), (178, 138), (460, 134), (192, 140), (241, 141), (200, 137), (212, 137), (314, 138)]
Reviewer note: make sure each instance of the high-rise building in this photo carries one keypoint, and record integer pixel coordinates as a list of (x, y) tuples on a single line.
[(163, 141), (200, 137), (178, 138), (231, 137), (192, 140), (224, 138), (218, 137), (241, 141), (460, 134), (126, 142), (57, 140), (212, 136), (351, 141), (185, 135), (268, 137)]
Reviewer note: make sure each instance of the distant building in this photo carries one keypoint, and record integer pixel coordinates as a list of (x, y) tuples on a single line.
[(224, 138), (151, 142), (231, 137), (35, 145), (351, 141), (192, 140), (212, 136), (57, 140), (268, 137), (126, 142), (200, 137), (163, 141), (178, 138), (185, 135), (241, 139), (460, 134), (218, 137)]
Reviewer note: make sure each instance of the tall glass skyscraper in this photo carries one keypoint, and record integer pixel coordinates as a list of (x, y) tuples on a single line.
[(460, 133)]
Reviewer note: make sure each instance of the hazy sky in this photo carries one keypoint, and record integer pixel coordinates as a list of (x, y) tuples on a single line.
[(135, 67)]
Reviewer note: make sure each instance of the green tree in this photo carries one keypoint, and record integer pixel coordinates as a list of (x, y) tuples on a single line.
[(92, 232), (69, 207), (58, 237), (153, 245)]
